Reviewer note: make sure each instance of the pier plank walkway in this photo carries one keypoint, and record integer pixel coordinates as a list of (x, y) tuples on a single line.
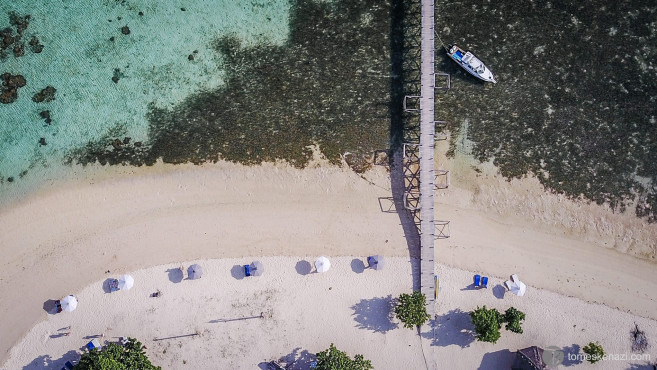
[(427, 143), (427, 178)]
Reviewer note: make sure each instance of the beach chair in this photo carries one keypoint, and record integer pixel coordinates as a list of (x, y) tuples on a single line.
[(247, 270), (515, 279), (477, 280), (484, 282), (93, 344)]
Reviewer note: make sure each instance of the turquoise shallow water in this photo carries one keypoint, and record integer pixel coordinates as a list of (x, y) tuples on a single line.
[(574, 106), (84, 47)]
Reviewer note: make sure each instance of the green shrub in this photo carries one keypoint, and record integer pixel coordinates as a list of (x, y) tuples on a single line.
[(411, 309), (116, 357), (334, 359), (513, 317), (594, 352), (487, 324)]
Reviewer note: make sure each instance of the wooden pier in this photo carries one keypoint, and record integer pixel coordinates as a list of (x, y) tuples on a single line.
[(427, 144)]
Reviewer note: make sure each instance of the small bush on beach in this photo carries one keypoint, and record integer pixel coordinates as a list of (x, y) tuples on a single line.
[(513, 317), (114, 356), (334, 359), (594, 352), (487, 324), (411, 309)]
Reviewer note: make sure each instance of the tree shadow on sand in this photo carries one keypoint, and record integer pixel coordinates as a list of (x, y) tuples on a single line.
[(375, 314), (570, 357), (296, 360), (47, 362), (645, 366), (453, 328)]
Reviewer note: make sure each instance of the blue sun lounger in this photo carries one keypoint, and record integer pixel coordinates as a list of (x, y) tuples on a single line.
[(93, 344), (484, 282), (477, 280), (247, 270)]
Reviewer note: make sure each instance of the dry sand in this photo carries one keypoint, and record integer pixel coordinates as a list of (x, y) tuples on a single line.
[(62, 239), (215, 322)]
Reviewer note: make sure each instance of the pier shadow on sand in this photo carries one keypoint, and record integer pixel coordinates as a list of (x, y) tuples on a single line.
[(400, 86), (375, 314)]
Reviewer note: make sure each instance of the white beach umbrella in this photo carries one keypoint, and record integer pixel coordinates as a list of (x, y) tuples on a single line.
[(69, 303), (126, 282), (518, 288), (322, 264)]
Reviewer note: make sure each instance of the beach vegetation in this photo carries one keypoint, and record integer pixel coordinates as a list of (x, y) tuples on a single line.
[(115, 356), (512, 317), (334, 359), (487, 323), (594, 352), (411, 309)]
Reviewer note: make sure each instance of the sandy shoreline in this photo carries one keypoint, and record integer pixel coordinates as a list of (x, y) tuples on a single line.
[(68, 238)]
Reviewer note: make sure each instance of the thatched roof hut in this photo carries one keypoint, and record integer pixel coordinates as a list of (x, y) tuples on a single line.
[(530, 358)]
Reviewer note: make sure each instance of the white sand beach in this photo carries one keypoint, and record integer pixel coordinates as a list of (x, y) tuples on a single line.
[(62, 241), (215, 321)]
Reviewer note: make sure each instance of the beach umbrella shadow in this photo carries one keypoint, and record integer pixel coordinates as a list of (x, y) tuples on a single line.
[(303, 267), (357, 266), (237, 272), (176, 275), (107, 285), (194, 272), (498, 291), (50, 306)]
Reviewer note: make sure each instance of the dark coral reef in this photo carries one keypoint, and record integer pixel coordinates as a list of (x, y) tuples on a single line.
[(328, 85)]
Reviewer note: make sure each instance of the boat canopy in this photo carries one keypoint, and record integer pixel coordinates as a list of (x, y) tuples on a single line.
[(474, 63)]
